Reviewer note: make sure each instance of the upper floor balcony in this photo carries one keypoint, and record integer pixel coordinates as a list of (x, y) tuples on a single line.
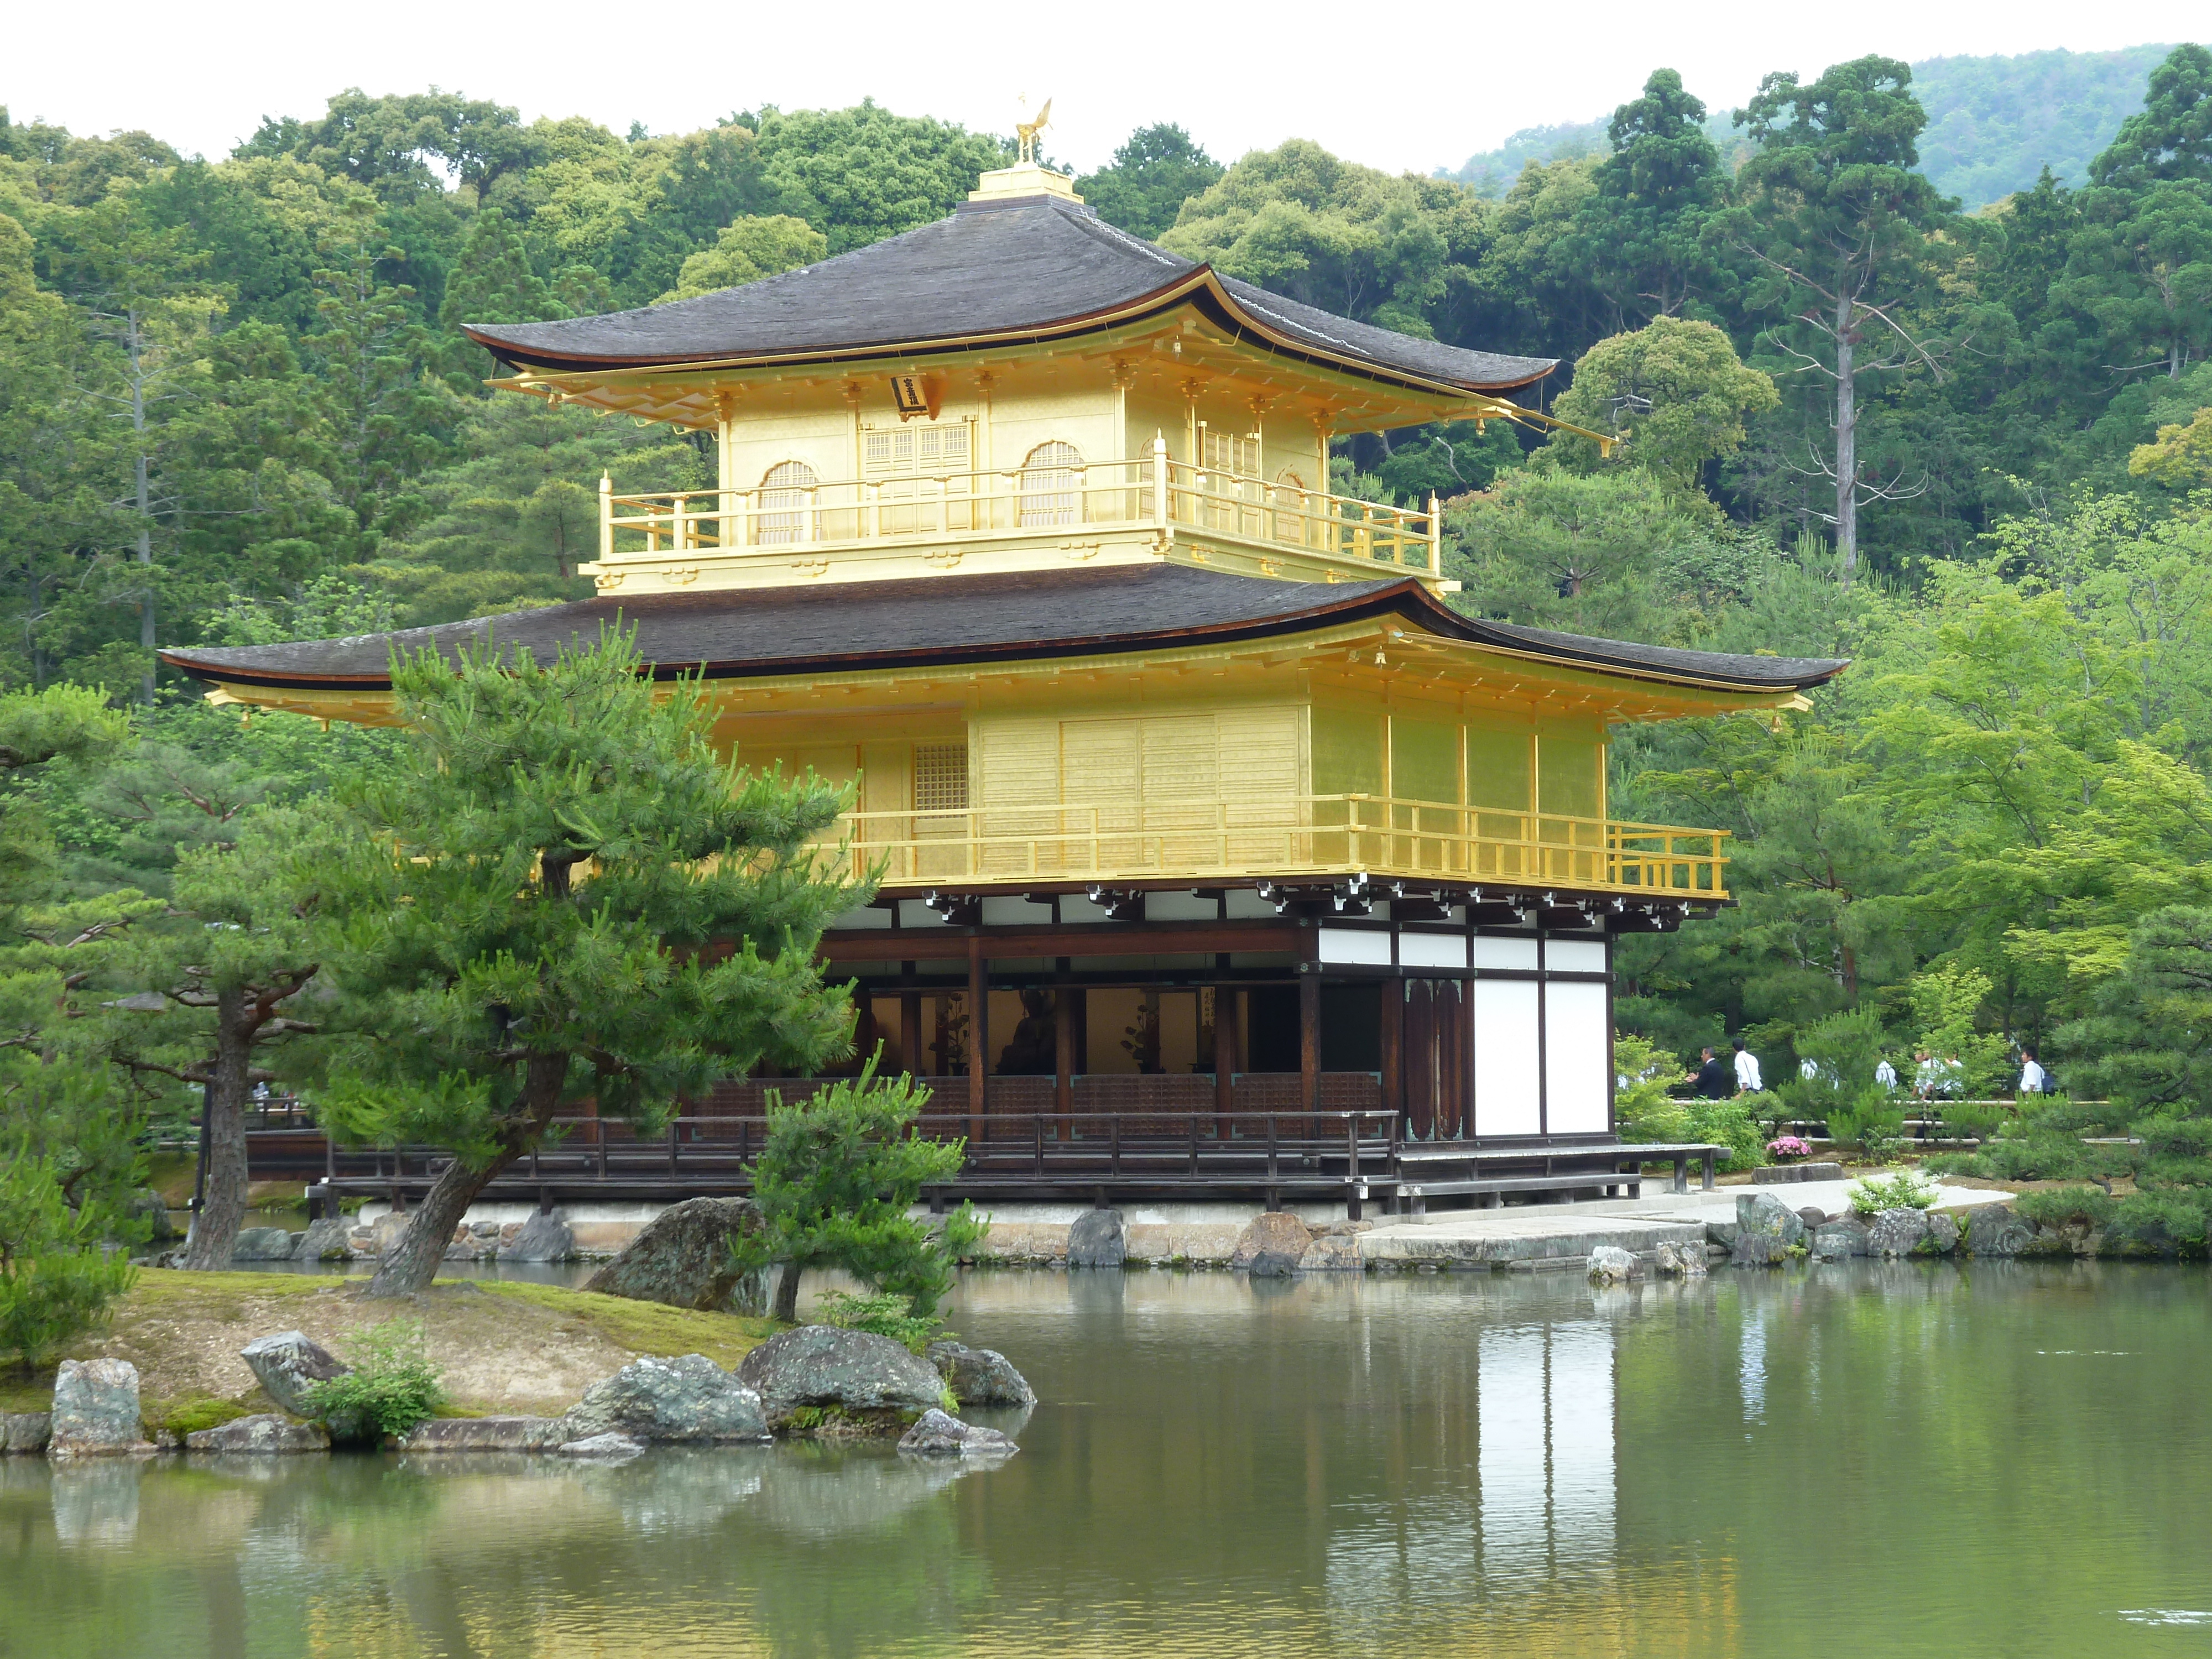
[(1055, 509), (1277, 839)]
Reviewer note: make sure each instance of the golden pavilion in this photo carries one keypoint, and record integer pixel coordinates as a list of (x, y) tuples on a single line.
[(1193, 796)]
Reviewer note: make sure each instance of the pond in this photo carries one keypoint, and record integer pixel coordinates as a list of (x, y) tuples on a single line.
[(1900, 1459)]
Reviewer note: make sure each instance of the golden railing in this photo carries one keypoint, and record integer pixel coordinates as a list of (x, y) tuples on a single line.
[(1285, 835), (1151, 491)]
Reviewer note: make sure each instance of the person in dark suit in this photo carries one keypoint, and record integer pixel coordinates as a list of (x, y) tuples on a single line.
[(1713, 1079)]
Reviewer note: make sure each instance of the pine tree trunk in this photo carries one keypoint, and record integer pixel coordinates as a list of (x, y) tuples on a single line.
[(223, 1201), (1847, 444), (413, 1262)]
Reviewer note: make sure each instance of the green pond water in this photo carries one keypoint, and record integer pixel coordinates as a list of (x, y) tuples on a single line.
[(1887, 1460)]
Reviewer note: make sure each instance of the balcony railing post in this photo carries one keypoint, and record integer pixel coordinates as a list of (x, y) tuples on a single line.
[(606, 517), (1436, 537)]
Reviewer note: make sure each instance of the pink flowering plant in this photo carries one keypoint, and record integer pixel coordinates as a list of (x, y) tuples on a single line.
[(1782, 1148)]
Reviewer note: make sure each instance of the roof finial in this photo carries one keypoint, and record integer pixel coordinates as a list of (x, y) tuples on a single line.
[(1026, 131)]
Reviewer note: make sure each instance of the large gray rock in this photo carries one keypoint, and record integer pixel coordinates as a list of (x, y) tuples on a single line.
[(1611, 1265), (1897, 1232), (1676, 1260), (23, 1432), (1274, 1264), (543, 1238), (682, 1258), (262, 1244), (288, 1364), (1833, 1241), (1998, 1230), (856, 1371), (325, 1240), (1334, 1253), (979, 1376), (1942, 1235), (266, 1435), (1765, 1228), (689, 1398), (485, 1434), (1098, 1239), (1722, 1233), (1276, 1231), (936, 1435), (96, 1409)]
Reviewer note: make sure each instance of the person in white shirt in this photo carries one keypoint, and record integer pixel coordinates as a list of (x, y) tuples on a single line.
[(1746, 1070), (1886, 1075), (2033, 1079)]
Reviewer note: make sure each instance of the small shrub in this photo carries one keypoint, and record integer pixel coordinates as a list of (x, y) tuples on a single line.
[(392, 1384), (1718, 1122), (2168, 1223), (57, 1278), (2062, 1206), (884, 1314), (1785, 1146), (1871, 1122), (1904, 1190)]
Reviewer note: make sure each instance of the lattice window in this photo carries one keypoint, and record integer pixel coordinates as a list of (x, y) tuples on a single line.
[(1049, 476), (926, 452), (940, 777), (787, 493), (1228, 452)]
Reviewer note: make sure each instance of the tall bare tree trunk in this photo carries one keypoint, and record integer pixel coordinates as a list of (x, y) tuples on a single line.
[(223, 1201), (413, 1262), (1847, 443)]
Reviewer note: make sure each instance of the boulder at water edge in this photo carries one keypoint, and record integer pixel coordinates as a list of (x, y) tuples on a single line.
[(1835, 1240), (1676, 1260), (288, 1364), (262, 1244), (979, 1376), (484, 1434), (149, 1208), (689, 1398), (936, 1435), (1611, 1265), (1998, 1229), (1942, 1235), (1334, 1253), (1277, 1230), (606, 1448), (856, 1371), (96, 1409), (264, 1435), (1765, 1228), (1272, 1264), (683, 1259), (543, 1238), (1096, 1238), (23, 1432), (327, 1239), (1897, 1232)]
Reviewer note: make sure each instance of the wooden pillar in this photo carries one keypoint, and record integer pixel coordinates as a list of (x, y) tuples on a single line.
[(979, 1010), (1309, 1040), (910, 1048), (1393, 1030), (1451, 1016), (1420, 1059), (1066, 1010), (1466, 1058), (1224, 1058)]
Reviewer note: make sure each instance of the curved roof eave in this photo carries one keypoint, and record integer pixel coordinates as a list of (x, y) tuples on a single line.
[(1201, 283)]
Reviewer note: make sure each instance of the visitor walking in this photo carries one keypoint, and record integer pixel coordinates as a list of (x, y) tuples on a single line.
[(2033, 1079), (1746, 1070), (1886, 1075), (1713, 1078)]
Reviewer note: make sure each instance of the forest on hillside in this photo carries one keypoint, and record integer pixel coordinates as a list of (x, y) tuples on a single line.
[(1969, 451), (1994, 123)]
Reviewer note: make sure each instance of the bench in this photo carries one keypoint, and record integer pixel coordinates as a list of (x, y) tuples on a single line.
[(1494, 1187)]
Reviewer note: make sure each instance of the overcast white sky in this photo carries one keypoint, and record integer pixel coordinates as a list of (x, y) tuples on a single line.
[(1413, 85)]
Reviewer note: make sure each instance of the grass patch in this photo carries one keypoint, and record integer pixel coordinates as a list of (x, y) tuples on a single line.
[(33, 1394), (647, 1327), (189, 1414)]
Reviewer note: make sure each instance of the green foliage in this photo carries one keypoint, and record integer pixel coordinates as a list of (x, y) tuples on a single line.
[(1716, 1122), (747, 249), (58, 1275), (1156, 170), (1674, 392), (2063, 1207), (1945, 1001), (1904, 1190), (890, 1314), (1643, 1072), (393, 1384), (514, 916), (836, 1179)]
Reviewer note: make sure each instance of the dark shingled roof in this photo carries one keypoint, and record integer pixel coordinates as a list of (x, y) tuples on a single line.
[(751, 633), (995, 269)]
